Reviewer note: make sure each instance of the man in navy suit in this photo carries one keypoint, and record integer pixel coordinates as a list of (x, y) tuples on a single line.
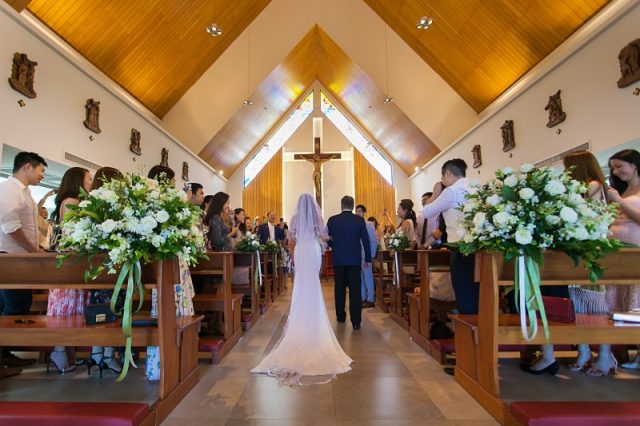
[(270, 231), (348, 234)]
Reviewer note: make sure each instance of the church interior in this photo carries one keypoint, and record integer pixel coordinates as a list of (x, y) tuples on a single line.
[(266, 100)]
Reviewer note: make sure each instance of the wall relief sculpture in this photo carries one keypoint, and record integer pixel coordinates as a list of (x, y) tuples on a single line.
[(508, 136), (629, 58), (477, 156), (554, 106), (185, 171), (164, 157), (92, 118), (134, 146), (22, 74)]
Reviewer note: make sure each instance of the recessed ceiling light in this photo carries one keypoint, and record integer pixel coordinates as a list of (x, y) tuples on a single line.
[(389, 100), (221, 173), (214, 30), (247, 102), (424, 23)]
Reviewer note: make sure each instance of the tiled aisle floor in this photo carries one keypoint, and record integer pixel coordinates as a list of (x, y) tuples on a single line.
[(393, 382)]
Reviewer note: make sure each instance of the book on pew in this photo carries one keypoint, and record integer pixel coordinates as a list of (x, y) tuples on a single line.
[(630, 316)]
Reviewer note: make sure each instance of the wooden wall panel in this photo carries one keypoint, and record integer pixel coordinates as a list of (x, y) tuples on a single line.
[(372, 189), (264, 193)]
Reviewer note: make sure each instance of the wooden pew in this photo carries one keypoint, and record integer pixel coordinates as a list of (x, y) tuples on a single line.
[(176, 337), (383, 278), (408, 267), (477, 336), (244, 265), (266, 298), (420, 305), (223, 300)]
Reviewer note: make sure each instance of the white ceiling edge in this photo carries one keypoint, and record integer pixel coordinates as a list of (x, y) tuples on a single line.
[(359, 31), (33, 25), (594, 27)]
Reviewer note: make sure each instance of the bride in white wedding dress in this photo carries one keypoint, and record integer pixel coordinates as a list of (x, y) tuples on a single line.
[(308, 351)]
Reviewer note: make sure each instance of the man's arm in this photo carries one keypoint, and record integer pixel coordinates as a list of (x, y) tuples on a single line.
[(21, 239), (445, 201)]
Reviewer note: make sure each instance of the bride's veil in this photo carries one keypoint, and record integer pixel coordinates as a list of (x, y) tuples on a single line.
[(307, 219)]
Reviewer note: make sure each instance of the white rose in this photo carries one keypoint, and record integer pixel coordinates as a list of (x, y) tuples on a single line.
[(507, 171), (148, 222), (494, 200), (555, 187), (526, 168), (576, 199), (479, 219), (523, 236), (552, 220), (568, 214), (580, 234), (156, 240), (162, 216), (586, 211), (526, 193), (501, 219), (511, 181)]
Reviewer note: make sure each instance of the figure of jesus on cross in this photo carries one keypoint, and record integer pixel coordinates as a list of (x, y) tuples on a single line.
[(317, 158)]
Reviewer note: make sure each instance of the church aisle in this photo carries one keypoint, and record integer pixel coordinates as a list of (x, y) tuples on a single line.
[(393, 382)]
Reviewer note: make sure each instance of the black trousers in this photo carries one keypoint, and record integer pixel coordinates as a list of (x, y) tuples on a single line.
[(348, 277), (467, 291)]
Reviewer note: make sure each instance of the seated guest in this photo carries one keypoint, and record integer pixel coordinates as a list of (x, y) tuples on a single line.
[(221, 230), (449, 202), (70, 301), (407, 220), (238, 221), (248, 226), (197, 194), (205, 203), (19, 234), (269, 231)]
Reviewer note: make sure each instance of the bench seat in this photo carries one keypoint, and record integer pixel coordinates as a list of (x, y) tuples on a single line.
[(569, 413), (31, 413)]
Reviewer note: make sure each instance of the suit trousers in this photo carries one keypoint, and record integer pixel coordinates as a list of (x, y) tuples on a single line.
[(348, 277), (467, 291), (368, 293)]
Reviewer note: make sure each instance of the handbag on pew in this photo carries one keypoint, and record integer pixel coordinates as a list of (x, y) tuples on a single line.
[(559, 309), (98, 314)]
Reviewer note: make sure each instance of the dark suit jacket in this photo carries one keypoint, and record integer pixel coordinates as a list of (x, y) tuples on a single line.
[(263, 233), (349, 235)]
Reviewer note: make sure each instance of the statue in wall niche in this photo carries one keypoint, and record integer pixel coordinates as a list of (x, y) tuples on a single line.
[(22, 73), (554, 106), (134, 146), (477, 156), (164, 157), (508, 136), (629, 58), (185, 171), (92, 119)]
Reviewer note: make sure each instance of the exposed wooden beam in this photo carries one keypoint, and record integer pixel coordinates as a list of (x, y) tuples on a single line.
[(18, 5)]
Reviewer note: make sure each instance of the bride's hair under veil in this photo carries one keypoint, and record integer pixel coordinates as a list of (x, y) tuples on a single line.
[(307, 218)]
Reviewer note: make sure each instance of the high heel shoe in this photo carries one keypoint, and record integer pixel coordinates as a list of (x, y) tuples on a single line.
[(581, 362), (105, 363), (597, 371), (632, 365), (60, 362), (551, 369)]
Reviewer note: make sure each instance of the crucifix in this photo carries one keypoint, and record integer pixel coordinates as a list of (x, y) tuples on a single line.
[(317, 158)]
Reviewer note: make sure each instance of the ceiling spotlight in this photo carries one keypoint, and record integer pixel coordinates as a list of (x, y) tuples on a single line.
[(221, 173), (424, 23), (389, 100), (247, 102), (214, 30)]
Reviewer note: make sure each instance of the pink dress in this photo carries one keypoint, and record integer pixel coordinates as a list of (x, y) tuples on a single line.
[(65, 302), (625, 297)]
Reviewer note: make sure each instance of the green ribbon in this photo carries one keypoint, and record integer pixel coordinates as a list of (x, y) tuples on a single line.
[(528, 297), (256, 274), (132, 271), (275, 264)]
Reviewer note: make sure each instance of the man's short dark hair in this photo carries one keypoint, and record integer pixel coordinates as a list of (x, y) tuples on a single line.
[(158, 171), (195, 187), (346, 203), (361, 207), (27, 158), (457, 167), (427, 194)]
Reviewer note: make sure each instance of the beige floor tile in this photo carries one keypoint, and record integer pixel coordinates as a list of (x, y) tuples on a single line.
[(454, 402)]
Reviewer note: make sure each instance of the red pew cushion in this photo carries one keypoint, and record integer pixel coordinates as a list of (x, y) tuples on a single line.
[(210, 344), (28, 413), (583, 413)]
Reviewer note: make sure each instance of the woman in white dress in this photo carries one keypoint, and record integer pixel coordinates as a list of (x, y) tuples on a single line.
[(308, 351)]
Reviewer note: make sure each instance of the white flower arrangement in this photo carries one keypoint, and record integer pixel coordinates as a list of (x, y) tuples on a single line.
[(249, 243), (399, 241)]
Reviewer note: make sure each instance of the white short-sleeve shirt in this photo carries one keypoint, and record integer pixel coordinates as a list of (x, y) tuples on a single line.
[(18, 210)]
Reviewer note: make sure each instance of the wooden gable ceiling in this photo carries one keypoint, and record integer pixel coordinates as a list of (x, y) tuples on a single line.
[(482, 47), (318, 57), (154, 49)]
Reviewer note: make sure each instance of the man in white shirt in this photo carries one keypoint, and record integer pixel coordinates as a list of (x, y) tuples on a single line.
[(19, 229), (449, 202)]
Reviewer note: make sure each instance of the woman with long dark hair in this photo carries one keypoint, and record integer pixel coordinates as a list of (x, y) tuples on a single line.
[(221, 230), (408, 219), (67, 302)]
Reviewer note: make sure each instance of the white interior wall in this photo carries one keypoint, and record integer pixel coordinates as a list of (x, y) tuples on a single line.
[(51, 124), (597, 111)]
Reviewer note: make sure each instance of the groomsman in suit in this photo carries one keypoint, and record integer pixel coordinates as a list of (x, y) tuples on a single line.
[(348, 234), (366, 276), (270, 231)]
